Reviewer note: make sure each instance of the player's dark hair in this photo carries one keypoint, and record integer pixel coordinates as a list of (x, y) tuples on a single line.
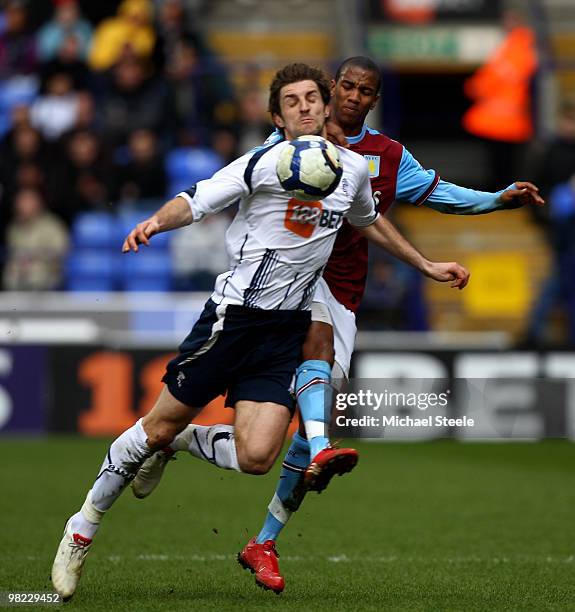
[(293, 73), (360, 61)]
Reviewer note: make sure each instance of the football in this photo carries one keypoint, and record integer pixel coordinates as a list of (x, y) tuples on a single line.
[(309, 168)]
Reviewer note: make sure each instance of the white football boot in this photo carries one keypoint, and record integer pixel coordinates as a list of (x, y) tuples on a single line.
[(151, 472), (69, 562)]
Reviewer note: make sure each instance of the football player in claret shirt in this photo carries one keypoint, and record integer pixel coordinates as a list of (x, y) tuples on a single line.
[(395, 176)]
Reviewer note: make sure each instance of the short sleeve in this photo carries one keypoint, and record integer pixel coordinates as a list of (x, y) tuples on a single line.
[(226, 186), (414, 183)]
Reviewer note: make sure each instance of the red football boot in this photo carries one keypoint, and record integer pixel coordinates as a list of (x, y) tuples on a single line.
[(262, 560), (326, 464)]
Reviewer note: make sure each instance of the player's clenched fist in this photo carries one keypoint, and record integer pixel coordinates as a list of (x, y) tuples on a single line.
[(450, 271), (141, 234)]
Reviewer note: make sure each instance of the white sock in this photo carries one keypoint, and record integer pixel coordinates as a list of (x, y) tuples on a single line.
[(215, 444), (87, 521), (122, 462)]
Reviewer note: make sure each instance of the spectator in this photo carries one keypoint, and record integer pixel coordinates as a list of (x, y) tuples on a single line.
[(81, 183), (200, 257), (24, 162), (254, 124), (56, 112), (36, 244), (555, 161), (131, 101), (19, 118), (393, 297), (86, 116), (67, 24), (17, 49), (30, 176), (225, 144), (172, 28), (27, 145), (501, 92), (143, 176), (554, 171), (129, 34), (68, 61), (201, 97)]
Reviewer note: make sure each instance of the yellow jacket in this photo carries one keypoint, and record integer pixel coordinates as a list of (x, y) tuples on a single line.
[(115, 34)]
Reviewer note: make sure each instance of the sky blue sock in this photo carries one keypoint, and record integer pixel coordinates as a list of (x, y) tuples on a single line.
[(295, 462), (314, 396)]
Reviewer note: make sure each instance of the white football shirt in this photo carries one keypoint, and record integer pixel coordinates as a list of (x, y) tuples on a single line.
[(277, 245)]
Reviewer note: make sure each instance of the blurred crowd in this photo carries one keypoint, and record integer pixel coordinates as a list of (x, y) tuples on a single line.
[(97, 114), (108, 108)]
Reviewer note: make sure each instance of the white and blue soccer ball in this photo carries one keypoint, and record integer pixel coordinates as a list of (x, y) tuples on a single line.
[(309, 168)]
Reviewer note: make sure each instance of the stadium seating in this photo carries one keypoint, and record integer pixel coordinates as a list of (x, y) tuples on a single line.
[(149, 270), (92, 270), (97, 264), (95, 230), (482, 243), (14, 92), (187, 166)]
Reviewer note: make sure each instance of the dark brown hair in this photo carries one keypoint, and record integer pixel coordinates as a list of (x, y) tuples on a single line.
[(360, 61), (293, 73)]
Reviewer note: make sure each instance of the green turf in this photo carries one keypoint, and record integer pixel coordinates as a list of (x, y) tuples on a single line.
[(435, 526)]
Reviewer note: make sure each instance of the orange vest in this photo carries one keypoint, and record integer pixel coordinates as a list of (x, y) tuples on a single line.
[(501, 91)]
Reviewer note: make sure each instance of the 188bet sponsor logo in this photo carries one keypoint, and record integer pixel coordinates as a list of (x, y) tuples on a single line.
[(303, 217)]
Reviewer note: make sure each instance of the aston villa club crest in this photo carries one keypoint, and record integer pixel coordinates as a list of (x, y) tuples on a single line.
[(373, 165)]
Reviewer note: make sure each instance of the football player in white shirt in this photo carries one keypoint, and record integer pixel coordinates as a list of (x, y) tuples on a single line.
[(247, 341)]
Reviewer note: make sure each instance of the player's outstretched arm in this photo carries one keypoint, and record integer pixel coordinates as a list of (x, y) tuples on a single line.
[(455, 200), (385, 235), (419, 186), (173, 214)]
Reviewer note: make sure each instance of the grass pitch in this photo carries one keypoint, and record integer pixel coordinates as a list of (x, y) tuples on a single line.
[(431, 526)]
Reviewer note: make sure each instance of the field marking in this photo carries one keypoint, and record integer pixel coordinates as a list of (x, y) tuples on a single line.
[(343, 558)]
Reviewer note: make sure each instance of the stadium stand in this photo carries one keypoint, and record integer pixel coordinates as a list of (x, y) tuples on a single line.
[(206, 91), (186, 166), (149, 271), (93, 230), (92, 270)]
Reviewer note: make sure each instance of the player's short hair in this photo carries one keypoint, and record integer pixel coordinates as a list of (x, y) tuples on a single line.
[(293, 73), (360, 61)]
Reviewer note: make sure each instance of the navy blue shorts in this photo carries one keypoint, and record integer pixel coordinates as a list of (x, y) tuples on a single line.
[(248, 353)]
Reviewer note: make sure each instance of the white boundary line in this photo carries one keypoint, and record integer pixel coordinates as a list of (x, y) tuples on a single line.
[(343, 558)]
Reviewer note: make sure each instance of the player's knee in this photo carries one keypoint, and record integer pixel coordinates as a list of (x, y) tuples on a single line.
[(255, 469), (160, 434), (252, 461)]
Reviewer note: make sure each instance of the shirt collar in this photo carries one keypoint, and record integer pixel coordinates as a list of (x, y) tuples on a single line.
[(358, 137)]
